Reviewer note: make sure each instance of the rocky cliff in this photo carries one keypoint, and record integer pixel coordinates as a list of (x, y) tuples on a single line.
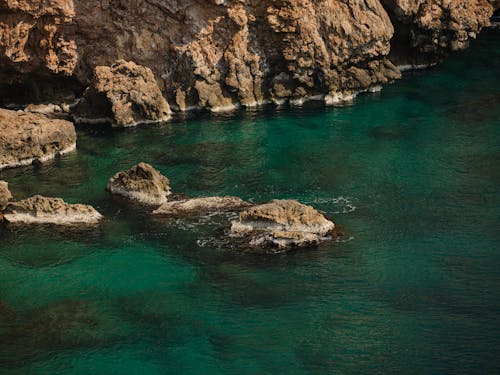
[(217, 54)]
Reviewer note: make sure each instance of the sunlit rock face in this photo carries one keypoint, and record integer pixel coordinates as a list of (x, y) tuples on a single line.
[(43, 210), (220, 54), (428, 30), (27, 137), (141, 183), (282, 225), (125, 93)]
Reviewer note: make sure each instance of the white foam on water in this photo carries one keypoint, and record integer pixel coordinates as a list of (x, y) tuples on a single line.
[(343, 205)]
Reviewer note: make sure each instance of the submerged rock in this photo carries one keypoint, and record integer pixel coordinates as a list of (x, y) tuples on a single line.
[(201, 205), (142, 183), (42, 210), (282, 224), (124, 94), (63, 325), (5, 194), (27, 137)]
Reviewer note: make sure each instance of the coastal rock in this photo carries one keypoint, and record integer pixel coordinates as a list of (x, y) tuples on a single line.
[(5, 194), (37, 37), (26, 137), (428, 30), (141, 183), (217, 55), (125, 94), (200, 205), (42, 210), (282, 224)]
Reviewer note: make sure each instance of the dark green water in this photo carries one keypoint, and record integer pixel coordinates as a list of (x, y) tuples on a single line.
[(412, 176)]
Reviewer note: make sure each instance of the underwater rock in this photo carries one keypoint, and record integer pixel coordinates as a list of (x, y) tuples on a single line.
[(5, 194), (124, 94), (201, 205), (63, 325), (42, 210), (141, 183), (281, 225), (27, 137)]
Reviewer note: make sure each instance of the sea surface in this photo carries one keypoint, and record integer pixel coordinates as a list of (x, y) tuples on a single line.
[(410, 174)]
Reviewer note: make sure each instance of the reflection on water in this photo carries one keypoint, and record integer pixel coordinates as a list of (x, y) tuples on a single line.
[(410, 175)]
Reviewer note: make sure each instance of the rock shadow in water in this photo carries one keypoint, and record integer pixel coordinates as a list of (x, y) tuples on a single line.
[(65, 325)]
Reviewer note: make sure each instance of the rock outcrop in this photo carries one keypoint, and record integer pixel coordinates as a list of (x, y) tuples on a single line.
[(428, 30), (124, 94), (219, 54), (281, 225), (200, 206), (141, 183), (26, 137), (42, 210), (5, 195)]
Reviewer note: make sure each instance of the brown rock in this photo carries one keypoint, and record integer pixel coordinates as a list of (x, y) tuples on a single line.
[(427, 30), (219, 54), (5, 194), (282, 224), (200, 205), (142, 183), (37, 37), (25, 137), (42, 210), (126, 93)]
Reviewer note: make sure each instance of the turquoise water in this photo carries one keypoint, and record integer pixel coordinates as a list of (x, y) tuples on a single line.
[(410, 174)]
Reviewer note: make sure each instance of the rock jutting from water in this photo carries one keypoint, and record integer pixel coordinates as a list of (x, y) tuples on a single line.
[(28, 137), (200, 206), (281, 225), (43, 210), (141, 183), (5, 194), (124, 94)]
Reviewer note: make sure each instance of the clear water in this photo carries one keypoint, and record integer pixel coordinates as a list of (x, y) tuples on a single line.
[(411, 174)]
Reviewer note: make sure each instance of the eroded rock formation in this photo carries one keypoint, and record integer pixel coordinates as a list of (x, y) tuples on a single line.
[(42, 210), (281, 225), (218, 54), (428, 30), (124, 94), (141, 183), (26, 137)]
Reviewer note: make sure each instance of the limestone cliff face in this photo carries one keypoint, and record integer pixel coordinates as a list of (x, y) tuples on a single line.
[(37, 36), (220, 53), (427, 30)]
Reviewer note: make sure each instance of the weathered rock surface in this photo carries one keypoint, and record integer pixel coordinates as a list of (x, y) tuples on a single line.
[(218, 54), (141, 183), (37, 36), (427, 30), (25, 137), (42, 210), (5, 194), (282, 224), (125, 94), (201, 205)]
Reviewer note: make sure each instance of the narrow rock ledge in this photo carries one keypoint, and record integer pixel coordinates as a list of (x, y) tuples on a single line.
[(201, 205), (42, 210), (141, 183)]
